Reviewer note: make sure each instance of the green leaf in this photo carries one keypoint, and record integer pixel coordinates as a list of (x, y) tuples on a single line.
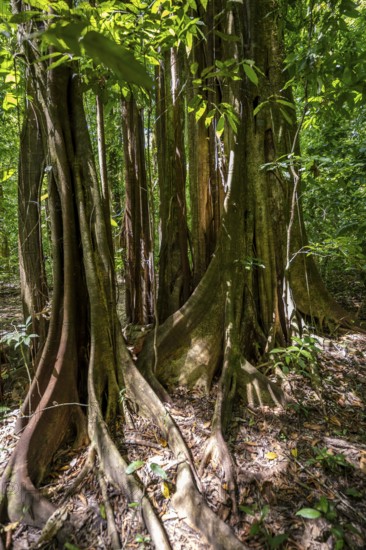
[(119, 60), (286, 103), (309, 513), (156, 469), (323, 504), (133, 504), (102, 511), (352, 492), (220, 126), (277, 541), (114, 223), (135, 465), (60, 61), (259, 107), (193, 67), (286, 116), (200, 112), (247, 510), (6, 174), (251, 74)]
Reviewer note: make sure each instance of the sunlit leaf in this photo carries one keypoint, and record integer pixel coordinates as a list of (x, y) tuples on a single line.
[(135, 465), (59, 61), (199, 113), (271, 455), (114, 56), (165, 489), (6, 174), (309, 513), (220, 126)]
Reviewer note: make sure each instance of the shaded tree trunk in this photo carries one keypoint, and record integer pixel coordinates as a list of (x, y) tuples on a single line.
[(102, 158), (33, 281), (174, 268), (137, 236), (206, 178)]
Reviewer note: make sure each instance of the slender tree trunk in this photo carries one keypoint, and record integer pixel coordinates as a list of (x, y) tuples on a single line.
[(174, 268), (102, 157), (33, 282), (138, 242), (4, 241), (205, 158)]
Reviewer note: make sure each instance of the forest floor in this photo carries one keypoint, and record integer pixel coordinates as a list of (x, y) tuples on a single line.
[(300, 471)]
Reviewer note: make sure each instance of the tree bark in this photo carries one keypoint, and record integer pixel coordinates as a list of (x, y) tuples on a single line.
[(206, 177), (174, 268), (256, 293), (137, 235), (33, 281)]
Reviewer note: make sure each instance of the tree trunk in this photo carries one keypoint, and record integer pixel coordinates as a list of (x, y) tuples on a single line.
[(247, 299), (102, 158), (237, 312), (174, 269), (33, 282), (206, 181), (137, 235)]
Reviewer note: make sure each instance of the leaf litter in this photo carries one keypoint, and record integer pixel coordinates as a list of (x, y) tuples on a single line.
[(300, 471)]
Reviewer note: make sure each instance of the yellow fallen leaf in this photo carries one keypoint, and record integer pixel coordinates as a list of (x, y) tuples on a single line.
[(11, 526), (334, 420), (315, 427), (294, 452), (83, 499), (165, 489), (163, 442), (271, 455), (251, 443)]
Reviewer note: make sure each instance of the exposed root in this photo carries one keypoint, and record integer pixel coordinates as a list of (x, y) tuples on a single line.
[(112, 529), (187, 500), (53, 526), (216, 448), (114, 467), (216, 451), (256, 389), (88, 466), (191, 507)]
